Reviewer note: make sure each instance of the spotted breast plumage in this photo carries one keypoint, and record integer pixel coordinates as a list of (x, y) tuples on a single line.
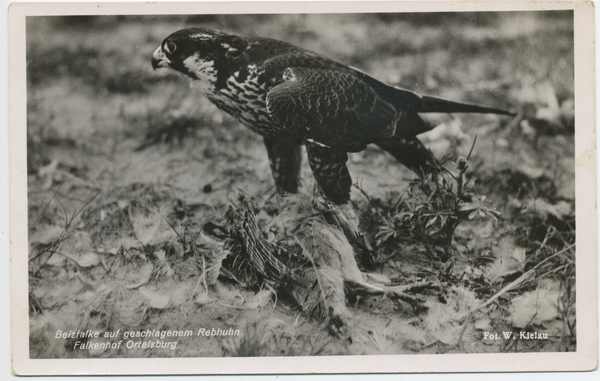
[(293, 97)]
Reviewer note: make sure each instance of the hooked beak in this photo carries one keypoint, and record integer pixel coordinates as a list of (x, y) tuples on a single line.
[(159, 59)]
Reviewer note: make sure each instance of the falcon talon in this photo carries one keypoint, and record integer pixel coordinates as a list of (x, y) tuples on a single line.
[(293, 97)]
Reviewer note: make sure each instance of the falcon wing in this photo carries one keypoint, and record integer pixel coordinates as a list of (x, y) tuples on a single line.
[(330, 107)]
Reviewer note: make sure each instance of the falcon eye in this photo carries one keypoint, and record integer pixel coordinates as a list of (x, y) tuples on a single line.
[(170, 47)]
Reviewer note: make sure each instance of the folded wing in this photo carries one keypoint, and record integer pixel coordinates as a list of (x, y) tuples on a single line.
[(331, 107)]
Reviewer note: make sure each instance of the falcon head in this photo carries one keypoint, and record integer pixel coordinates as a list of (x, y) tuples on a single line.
[(197, 52)]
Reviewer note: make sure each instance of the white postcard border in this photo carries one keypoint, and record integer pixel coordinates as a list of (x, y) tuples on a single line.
[(585, 152)]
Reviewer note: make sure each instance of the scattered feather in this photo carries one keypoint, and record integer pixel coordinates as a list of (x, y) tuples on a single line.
[(202, 298), (509, 258), (260, 299)]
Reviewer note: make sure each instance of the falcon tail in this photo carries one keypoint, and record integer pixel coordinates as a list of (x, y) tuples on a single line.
[(434, 104), (407, 100)]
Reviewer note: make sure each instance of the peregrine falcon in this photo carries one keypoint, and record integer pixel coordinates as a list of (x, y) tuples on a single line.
[(293, 97)]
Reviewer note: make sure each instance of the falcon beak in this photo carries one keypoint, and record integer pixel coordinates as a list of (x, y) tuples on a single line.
[(159, 59)]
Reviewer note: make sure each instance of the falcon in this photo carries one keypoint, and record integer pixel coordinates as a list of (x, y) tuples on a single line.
[(292, 97)]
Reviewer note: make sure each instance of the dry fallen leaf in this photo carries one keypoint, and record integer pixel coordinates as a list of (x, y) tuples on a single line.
[(88, 260), (156, 299), (534, 307)]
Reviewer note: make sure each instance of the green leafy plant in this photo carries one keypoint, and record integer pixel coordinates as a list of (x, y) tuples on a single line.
[(433, 206)]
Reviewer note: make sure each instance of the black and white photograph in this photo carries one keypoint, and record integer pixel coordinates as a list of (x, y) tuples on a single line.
[(302, 184)]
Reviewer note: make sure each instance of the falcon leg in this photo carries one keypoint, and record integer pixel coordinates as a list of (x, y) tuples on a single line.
[(408, 151), (330, 171), (286, 161)]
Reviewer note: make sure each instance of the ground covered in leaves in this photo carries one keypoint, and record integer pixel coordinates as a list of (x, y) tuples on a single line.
[(126, 166)]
